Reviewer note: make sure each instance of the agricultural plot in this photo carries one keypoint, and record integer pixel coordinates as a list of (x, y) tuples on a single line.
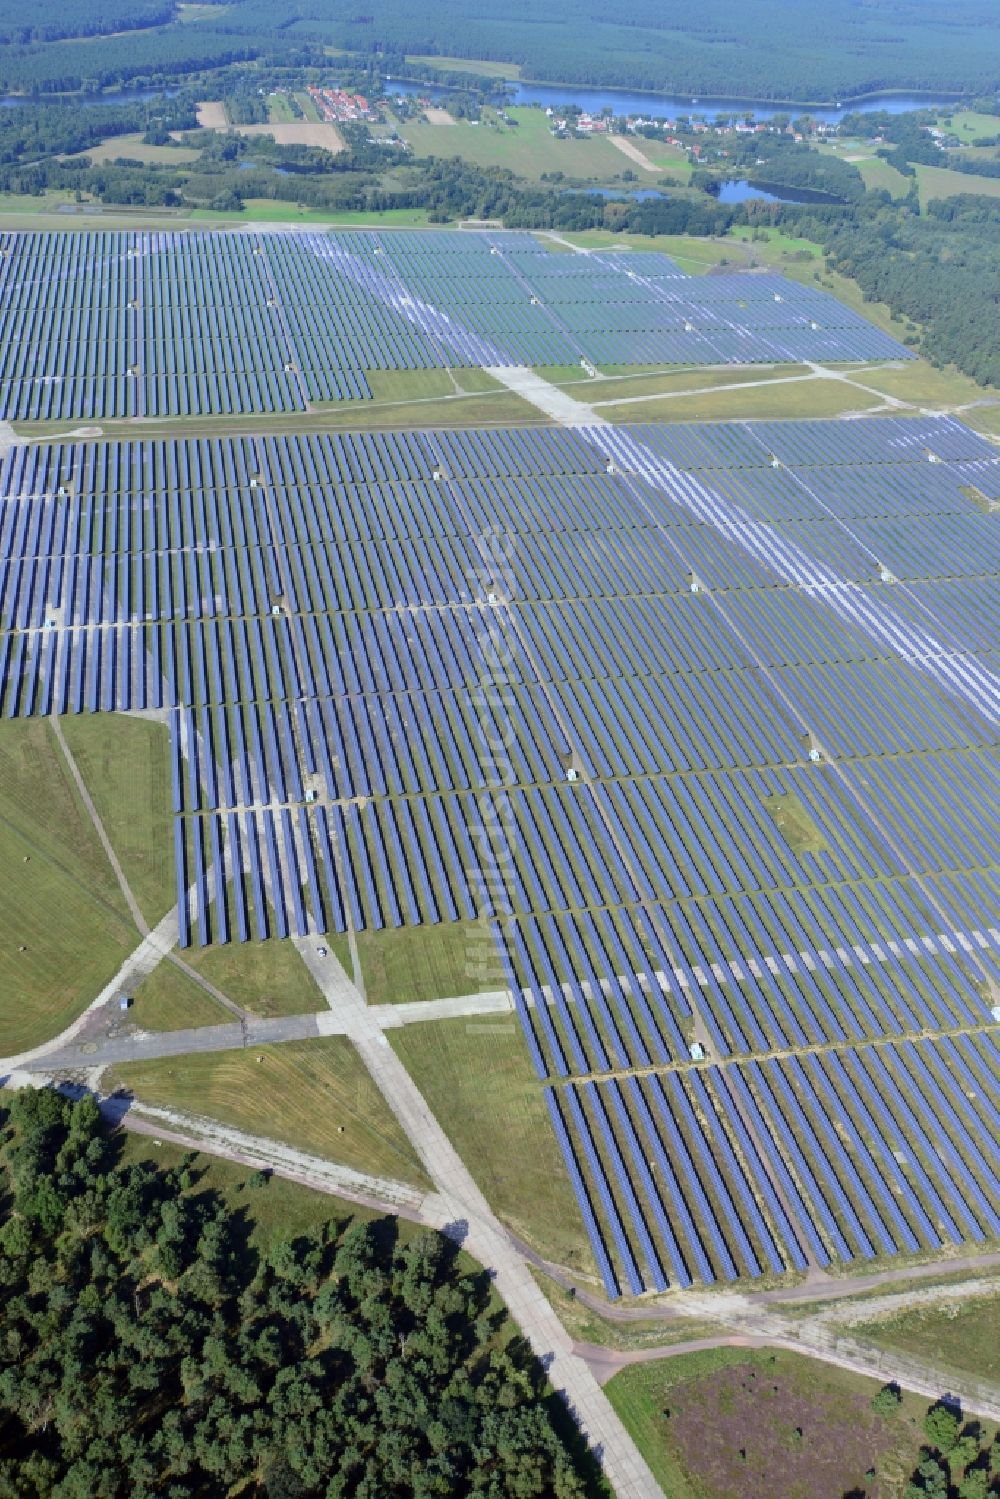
[(173, 324), (703, 720)]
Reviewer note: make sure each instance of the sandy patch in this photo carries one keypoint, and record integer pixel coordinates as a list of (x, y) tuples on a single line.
[(211, 114), (633, 153), (298, 133), (437, 116)]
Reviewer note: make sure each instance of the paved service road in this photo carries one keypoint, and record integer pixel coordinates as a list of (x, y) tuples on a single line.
[(474, 1223)]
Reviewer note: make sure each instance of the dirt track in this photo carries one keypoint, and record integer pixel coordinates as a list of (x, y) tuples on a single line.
[(633, 153)]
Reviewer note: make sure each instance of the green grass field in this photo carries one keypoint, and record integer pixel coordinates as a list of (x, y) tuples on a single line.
[(479, 1082), (132, 147), (278, 109), (970, 125), (168, 1000), (985, 419), (809, 397), (267, 978), (920, 382), (305, 100), (528, 148), (407, 964), (31, 203), (695, 254), (468, 65), (410, 385), (302, 1093), (124, 765), (496, 408), (64, 925), (880, 176), (268, 210), (965, 1336), (942, 182), (623, 386)]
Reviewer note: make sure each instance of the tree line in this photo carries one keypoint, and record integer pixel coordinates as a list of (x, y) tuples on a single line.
[(147, 1349), (957, 1459)]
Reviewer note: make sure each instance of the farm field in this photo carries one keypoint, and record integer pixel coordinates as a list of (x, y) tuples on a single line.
[(734, 1423), (303, 1094), (469, 65), (134, 149), (298, 133)]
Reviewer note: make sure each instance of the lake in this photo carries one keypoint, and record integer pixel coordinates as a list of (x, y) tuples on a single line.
[(739, 190), (666, 106)]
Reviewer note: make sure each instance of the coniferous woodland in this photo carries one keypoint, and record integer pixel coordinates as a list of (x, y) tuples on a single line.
[(772, 49), (148, 1349)]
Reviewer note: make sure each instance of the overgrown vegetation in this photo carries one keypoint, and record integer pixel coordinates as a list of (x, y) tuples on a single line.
[(147, 1349), (957, 1461)]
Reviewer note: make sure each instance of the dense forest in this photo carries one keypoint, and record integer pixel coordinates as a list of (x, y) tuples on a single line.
[(28, 21), (939, 269), (772, 49), (66, 66), (147, 1349)]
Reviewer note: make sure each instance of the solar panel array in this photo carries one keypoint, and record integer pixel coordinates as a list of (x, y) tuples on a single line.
[(102, 325), (704, 718)]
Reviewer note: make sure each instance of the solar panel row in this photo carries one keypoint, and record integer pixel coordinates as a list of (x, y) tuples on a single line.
[(118, 325), (377, 682)]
